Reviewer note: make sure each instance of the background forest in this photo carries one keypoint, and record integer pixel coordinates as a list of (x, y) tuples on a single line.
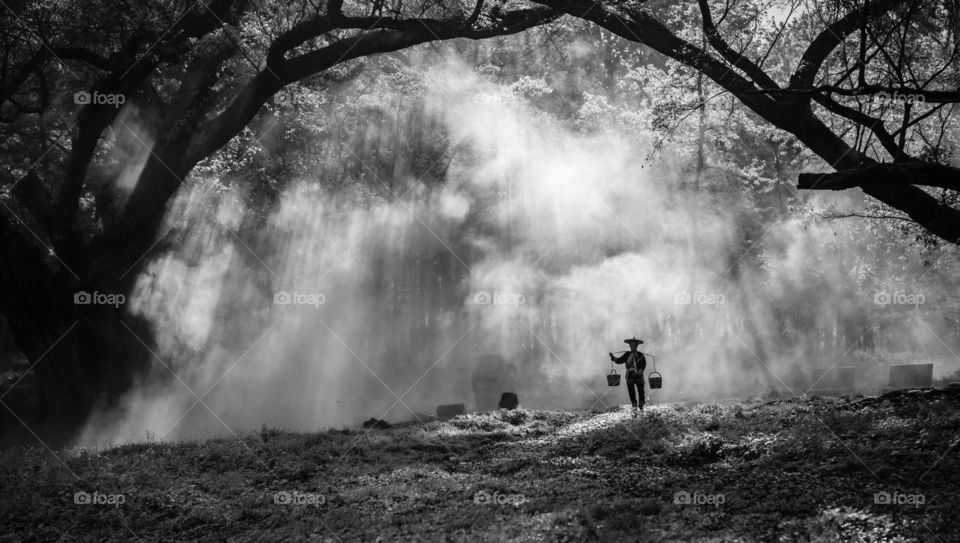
[(590, 186)]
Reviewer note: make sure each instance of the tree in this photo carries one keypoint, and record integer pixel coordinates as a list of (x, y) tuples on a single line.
[(857, 65), (179, 80)]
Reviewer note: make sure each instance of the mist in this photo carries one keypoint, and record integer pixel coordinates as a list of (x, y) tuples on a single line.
[(546, 243)]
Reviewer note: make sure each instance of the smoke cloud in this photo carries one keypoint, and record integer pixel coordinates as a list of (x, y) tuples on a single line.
[(546, 244)]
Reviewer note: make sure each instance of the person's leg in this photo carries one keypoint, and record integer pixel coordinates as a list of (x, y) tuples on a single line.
[(640, 395), (631, 383)]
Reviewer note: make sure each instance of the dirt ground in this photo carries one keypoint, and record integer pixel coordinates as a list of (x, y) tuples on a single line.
[(804, 469)]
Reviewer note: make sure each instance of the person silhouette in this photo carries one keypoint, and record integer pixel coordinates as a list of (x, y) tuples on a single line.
[(635, 363)]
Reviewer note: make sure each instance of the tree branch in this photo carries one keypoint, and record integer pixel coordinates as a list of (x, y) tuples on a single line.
[(644, 28), (833, 216), (828, 40), (874, 124), (387, 35), (741, 62), (910, 173), (882, 92), (378, 35)]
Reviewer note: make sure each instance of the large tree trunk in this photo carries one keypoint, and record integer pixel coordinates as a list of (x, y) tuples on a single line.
[(79, 354)]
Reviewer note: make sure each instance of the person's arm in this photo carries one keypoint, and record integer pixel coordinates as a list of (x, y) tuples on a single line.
[(619, 359), (642, 363)]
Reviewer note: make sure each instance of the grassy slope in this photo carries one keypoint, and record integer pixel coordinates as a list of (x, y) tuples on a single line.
[(794, 469)]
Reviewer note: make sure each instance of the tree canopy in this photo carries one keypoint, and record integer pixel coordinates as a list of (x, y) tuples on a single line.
[(864, 85)]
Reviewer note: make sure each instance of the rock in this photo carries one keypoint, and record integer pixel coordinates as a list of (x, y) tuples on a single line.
[(447, 412), (377, 424), (509, 400)]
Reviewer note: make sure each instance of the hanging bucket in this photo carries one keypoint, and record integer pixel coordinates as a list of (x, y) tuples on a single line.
[(656, 380), (613, 378)]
